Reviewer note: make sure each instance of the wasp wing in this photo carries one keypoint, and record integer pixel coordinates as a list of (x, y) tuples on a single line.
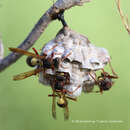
[(66, 112), (27, 74), (54, 106), (21, 51)]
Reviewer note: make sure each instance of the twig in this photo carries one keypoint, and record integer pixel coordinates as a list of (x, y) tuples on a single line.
[(39, 28), (1, 50), (124, 18)]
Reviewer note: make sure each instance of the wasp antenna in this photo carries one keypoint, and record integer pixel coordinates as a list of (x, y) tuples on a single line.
[(35, 51), (113, 72)]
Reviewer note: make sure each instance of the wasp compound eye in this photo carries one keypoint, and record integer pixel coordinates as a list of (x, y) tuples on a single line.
[(31, 61)]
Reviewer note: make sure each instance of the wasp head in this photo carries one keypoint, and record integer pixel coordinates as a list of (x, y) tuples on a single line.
[(105, 83), (32, 61)]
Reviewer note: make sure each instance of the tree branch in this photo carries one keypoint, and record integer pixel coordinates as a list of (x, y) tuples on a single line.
[(1, 50), (39, 28), (124, 18)]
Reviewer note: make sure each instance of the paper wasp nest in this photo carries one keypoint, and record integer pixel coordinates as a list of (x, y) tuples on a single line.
[(78, 57)]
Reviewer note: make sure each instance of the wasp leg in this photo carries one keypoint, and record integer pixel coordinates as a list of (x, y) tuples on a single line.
[(66, 56), (113, 72), (64, 59), (97, 92), (71, 92), (93, 77), (73, 99)]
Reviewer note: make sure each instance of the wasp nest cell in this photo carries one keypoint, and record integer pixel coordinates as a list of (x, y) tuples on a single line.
[(73, 55)]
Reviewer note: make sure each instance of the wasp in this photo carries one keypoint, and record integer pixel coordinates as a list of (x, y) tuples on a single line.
[(61, 102), (105, 80), (60, 79), (33, 60)]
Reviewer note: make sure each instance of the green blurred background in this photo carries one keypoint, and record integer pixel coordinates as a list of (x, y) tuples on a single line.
[(24, 105)]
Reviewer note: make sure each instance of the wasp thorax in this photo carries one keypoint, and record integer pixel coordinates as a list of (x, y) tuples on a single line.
[(62, 102), (58, 86), (47, 63), (56, 62), (32, 61)]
